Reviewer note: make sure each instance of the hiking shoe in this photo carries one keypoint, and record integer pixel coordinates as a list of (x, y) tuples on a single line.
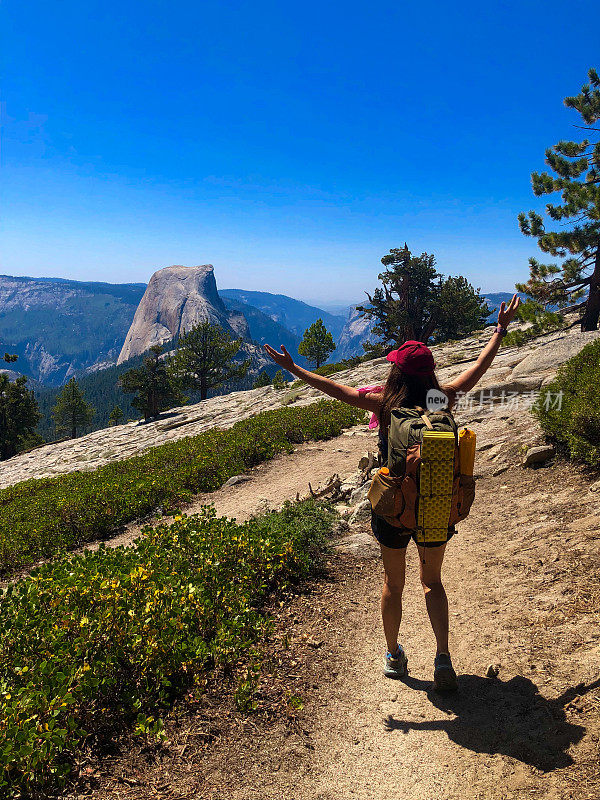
[(444, 676), (395, 666)]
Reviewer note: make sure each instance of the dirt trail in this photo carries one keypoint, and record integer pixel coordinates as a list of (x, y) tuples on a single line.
[(271, 483), (496, 738), (522, 579)]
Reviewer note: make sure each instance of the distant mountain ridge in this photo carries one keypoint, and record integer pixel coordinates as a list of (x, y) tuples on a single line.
[(292, 314), (126, 291), (349, 331), (494, 300), (356, 331), (264, 329), (60, 327)]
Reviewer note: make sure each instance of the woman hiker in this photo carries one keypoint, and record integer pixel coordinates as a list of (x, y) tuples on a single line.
[(410, 377)]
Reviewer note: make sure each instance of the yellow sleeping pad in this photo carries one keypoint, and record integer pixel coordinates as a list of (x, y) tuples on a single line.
[(435, 486)]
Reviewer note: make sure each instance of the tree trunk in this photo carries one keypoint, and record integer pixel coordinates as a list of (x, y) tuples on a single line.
[(589, 320), (427, 331), (203, 388)]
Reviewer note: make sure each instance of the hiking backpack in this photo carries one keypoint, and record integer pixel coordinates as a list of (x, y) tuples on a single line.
[(421, 488)]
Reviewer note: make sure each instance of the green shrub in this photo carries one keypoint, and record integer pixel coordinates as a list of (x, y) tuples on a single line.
[(92, 642), (291, 397), (576, 389), (41, 517), (542, 321), (454, 358), (263, 379), (330, 369)]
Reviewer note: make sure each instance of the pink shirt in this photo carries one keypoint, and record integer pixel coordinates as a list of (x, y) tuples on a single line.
[(373, 422)]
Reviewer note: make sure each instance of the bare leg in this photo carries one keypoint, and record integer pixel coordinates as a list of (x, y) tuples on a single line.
[(394, 563), (435, 595)]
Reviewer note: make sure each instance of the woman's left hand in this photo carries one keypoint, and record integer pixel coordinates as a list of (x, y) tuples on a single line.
[(506, 315)]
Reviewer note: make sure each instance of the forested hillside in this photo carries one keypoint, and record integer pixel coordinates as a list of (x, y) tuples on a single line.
[(101, 389), (59, 327), (293, 314)]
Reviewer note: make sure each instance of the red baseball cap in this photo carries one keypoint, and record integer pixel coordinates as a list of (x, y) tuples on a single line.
[(413, 358)]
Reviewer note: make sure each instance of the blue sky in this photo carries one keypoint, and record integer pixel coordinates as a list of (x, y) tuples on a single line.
[(289, 144)]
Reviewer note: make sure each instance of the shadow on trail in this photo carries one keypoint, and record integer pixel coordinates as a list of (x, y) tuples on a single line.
[(507, 717)]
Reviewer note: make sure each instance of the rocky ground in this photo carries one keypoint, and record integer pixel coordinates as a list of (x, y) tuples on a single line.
[(522, 578), (521, 370)]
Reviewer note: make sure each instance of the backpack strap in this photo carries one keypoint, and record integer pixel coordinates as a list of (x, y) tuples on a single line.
[(425, 417)]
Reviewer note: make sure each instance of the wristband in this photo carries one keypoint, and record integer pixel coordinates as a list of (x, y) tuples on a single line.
[(501, 330)]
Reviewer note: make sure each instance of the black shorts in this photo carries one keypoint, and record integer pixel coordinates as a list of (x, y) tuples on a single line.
[(398, 538)]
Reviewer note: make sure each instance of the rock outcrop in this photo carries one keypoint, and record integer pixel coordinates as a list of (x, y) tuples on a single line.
[(178, 298), (356, 331)]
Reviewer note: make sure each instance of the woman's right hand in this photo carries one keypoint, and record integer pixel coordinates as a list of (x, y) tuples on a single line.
[(506, 315), (284, 359)]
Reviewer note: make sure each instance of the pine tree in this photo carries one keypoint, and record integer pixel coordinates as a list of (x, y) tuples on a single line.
[(154, 388), (458, 310), (71, 411), (575, 283), (19, 414), (317, 343), (279, 381), (204, 358), (263, 379), (417, 303), (116, 416)]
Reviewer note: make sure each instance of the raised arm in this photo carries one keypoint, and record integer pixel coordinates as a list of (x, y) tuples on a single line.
[(347, 394), (471, 376)]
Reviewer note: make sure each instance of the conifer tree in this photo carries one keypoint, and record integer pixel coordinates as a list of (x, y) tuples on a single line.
[(317, 343), (71, 411), (575, 283), (19, 414), (279, 381), (153, 387), (116, 416), (458, 309), (263, 379), (204, 358), (416, 302), (540, 321)]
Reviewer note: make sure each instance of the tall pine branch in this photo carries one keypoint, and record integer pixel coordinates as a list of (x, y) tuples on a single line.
[(573, 284)]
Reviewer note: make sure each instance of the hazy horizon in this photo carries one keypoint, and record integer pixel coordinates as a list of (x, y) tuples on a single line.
[(333, 306)]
